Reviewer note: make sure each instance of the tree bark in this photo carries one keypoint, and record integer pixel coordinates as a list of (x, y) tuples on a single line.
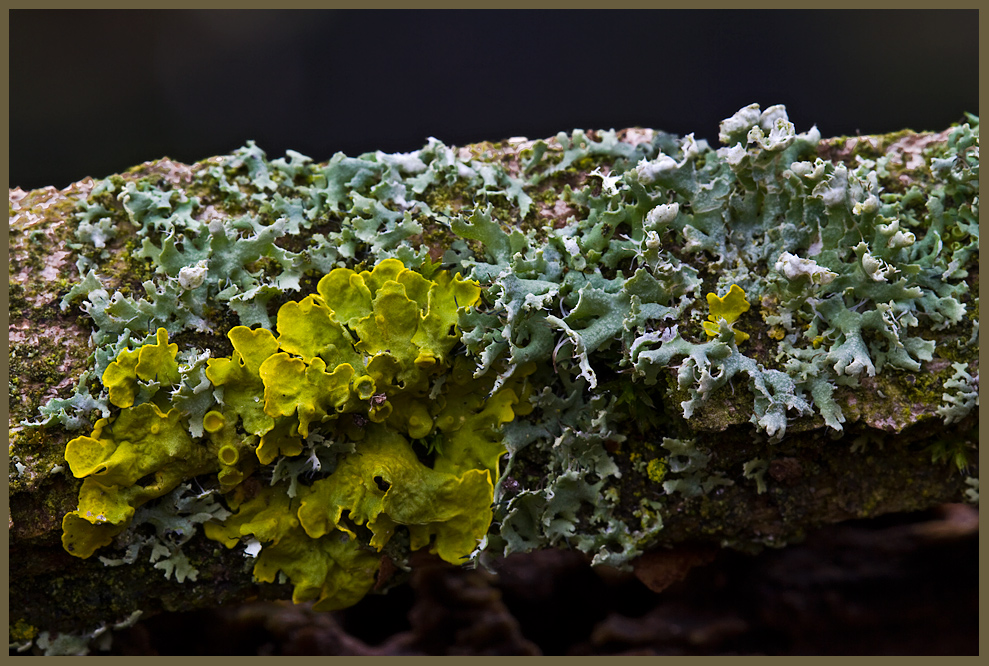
[(880, 462)]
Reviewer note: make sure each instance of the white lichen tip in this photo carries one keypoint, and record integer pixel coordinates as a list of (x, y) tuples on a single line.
[(743, 119), (792, 267), (647, 170), (662, 214), (192, 277), (609, 183)]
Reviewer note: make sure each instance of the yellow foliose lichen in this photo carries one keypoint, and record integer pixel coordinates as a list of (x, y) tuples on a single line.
[(383, 485), (155, 362), (375, 344), (142, 454), (239, 378), (728, 309)]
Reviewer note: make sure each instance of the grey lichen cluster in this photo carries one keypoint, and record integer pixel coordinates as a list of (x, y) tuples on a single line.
[(853, 279), (597, 253)]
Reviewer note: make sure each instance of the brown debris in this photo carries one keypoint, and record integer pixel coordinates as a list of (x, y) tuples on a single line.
[(892, 585), (385, 571), (671, 629), (659, 569), (786, 470), (458, 611)]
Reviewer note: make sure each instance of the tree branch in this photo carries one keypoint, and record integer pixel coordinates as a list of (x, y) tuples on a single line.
[(652, 424)]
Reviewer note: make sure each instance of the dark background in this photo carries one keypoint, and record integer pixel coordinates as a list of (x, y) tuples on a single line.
[(95, 92)]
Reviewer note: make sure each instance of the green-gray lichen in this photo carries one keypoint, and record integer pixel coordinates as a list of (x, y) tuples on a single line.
[(663, 290)]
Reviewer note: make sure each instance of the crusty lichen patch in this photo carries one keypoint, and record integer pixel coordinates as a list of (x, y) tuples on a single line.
[(661, 408)]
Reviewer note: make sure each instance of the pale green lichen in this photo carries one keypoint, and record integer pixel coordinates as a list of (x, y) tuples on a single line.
[(77, 644), (591, 293), (755, 470), (972, 494), (964, 396)]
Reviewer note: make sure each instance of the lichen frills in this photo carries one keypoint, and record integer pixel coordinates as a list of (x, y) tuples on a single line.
[(367, 360), (388, 398)]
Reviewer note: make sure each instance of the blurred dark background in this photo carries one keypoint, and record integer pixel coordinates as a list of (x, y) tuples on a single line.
[(94, 92)]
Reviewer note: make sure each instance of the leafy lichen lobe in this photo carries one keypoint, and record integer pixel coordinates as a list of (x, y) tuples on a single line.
[(627, 298)]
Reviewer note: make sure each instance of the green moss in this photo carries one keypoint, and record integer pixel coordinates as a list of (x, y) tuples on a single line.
[(34, 369), (446, 198)]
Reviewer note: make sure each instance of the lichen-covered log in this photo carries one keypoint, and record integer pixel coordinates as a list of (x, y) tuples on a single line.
[(252, 377)]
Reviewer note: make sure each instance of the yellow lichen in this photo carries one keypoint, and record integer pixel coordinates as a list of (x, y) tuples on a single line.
[(727, 309)]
